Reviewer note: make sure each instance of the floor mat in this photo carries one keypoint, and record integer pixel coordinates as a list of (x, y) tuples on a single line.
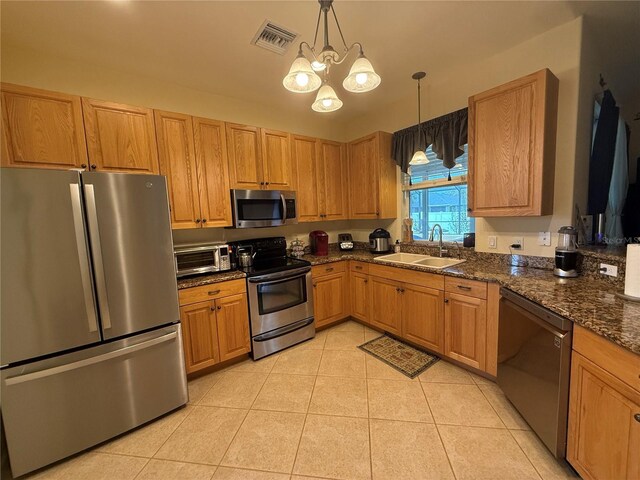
[(404, 358)]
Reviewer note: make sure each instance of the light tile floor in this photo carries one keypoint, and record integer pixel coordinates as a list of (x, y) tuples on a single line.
[(325, 409)]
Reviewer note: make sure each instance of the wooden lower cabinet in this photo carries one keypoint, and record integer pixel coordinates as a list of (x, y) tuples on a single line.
[(330, 298), (386, 305), (360, 296), (233, 326), (465, 329), (604, 423), (199, 335), (423, 316), (216, 330)]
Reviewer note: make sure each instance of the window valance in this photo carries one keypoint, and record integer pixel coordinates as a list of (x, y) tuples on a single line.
[(447, 136)]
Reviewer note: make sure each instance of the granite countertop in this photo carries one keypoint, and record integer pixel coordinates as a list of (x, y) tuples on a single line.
[(197, 281), (587, 302)]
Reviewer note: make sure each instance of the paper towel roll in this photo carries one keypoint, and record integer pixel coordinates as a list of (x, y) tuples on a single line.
[(632, 271)]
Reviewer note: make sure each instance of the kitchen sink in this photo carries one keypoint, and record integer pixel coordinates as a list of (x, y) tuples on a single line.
[(418, 260)]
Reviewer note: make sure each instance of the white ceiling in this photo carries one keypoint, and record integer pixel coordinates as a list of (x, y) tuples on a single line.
[(205, 44)]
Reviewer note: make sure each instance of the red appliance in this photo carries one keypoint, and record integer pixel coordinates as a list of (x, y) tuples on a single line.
[(319, 242)]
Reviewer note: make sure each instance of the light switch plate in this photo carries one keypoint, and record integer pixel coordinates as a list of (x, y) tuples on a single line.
[(493, 241), (544, 238)]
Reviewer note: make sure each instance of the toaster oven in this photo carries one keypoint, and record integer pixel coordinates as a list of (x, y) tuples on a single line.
[(201, 259)]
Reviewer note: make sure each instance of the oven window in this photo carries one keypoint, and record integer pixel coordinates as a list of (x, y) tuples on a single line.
[(259, 209), (280, 295)]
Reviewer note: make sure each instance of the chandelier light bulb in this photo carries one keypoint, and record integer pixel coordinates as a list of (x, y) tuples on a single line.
[(362, 77), (301, 77), (318, 66), (326, 100)]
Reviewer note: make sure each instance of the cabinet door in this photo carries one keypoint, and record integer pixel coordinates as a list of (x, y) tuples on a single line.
[(330, 301), (604, 435), (423, 316), (233, 326), (333, 177), (276, 160), (386, 305), (465, 329), (213, 172), (512, 131), (305, 158), (360, 296), (178, 163), (120, 137), (363, 178), (244, 157), (199, 336), (41, 129)]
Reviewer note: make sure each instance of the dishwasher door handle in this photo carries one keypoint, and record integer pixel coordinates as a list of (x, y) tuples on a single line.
[(534, 318)]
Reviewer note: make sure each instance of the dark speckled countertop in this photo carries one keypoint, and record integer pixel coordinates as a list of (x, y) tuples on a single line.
[(196, 281), (588, 302)]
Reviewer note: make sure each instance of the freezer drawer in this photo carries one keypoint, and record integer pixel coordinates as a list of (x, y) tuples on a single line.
[(57, 407)]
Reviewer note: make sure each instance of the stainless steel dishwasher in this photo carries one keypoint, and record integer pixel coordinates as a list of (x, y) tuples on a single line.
[(534, 352)]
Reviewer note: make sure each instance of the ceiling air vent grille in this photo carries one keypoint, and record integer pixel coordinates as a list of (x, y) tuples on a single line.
[(274, 37)]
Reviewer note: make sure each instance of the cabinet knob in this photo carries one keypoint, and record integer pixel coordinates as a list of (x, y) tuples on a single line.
[(93, 166), (204, 220), (213, 309), (219, 307), (378, 214), (261, 183), (366, 281), (266, 183), (197, 220), (315, 285), (637, 417), (446, 300), (469, 210), (84, 165)]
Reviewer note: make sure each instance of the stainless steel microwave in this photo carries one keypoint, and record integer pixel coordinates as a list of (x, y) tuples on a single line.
[(201, 259), (263, 208)]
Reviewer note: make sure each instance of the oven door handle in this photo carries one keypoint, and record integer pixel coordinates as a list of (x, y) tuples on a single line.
[(283, 331), (289, 274)]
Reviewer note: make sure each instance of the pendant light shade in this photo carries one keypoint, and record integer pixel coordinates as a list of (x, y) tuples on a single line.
[(419, 157), (326, 100), (362, 77), (301, 77)]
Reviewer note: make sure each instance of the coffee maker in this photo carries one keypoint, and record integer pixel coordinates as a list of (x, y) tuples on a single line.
[(319, 242), (566, 253)]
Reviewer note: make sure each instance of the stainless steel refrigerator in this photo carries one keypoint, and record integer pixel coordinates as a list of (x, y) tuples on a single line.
[(90, 335)]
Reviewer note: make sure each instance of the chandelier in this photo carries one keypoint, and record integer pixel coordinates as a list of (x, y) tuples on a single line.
[(302, 76), (419, 157)]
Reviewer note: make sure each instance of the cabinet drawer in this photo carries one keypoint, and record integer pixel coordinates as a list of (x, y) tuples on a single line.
[(463, 286), (614, 359), (359, 267), (328, 268), (413, 277), (211, 292)]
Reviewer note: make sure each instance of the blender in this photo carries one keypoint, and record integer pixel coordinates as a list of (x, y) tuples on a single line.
[(566, 253)]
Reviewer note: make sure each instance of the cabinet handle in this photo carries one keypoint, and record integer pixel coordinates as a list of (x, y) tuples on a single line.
[(377, 214), (637, 417), (402, 290), (204, 220), (84, 165), (219, 307), (358, 267), (213, 309), (469, 210), (93, 167), (266, 183), (366, 281), (398, 289), (464, 287), (446, 300), (315, 285), (213, 292), (330, 269), (261, 183), (197, 220)]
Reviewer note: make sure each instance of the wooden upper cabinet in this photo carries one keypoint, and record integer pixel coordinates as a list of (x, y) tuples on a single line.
[(245, 156), (276, 160), (178, 163), (120, 138), (213, 172), (306, 166), (373, 181), (512, 143), (41, 129), (333, 176)]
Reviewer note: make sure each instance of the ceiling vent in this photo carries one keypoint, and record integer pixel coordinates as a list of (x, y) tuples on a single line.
[(274, 37)]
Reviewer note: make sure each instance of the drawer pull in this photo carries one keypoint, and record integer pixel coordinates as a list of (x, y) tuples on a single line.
[(213, 292), (329, 269), (358, 267), (464, 287)]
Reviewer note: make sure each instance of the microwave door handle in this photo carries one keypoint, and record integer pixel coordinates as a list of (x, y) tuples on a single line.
[(284, 209)]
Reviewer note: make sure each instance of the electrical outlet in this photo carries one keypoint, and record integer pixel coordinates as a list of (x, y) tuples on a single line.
[(544, 239), (517, 243), (587, 221), (607, 269), (493, 241)]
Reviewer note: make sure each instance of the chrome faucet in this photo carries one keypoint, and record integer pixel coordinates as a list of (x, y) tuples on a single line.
[(443, 251)]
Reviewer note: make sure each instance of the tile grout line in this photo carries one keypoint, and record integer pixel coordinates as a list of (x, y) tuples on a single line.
[(525, 454), (366, 380)]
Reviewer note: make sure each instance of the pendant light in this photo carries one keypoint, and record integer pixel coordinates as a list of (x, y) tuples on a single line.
[(302, 76), (419, 157)]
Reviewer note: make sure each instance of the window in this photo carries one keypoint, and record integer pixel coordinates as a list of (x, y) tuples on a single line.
[(435, 200)]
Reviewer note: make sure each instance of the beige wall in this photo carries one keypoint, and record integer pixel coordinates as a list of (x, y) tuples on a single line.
[(559, 50), (35, 69)]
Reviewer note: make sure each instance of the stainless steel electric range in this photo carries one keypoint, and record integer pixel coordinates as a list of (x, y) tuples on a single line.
[(280, 296)]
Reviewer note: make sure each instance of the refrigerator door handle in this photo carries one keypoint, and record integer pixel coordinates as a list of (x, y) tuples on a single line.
[(94, 235), (83, 256), (89, 361)]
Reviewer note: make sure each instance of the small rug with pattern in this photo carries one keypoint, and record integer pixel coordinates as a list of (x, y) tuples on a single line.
[(404, 358)]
